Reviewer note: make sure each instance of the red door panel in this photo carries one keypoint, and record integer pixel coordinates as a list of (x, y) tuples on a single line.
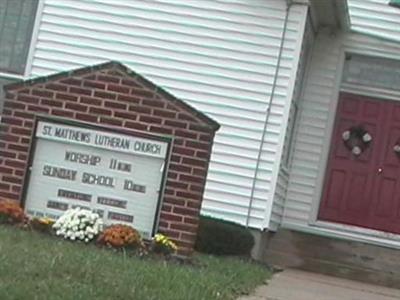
[(384, 212), (335, 190), (356, 192), (385, 197), (364, 190)]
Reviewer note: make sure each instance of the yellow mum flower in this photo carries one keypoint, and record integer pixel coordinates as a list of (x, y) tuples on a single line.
[(46, 221)]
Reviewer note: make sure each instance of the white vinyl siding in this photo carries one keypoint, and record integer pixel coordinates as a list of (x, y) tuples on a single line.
[(317, 112), (16, 23), (283, 175), (376, 18), (267, 173), (279, 199), (308, 41), (219, 56)]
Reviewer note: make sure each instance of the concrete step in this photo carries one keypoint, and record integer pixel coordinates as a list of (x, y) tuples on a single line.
[(347, 259)]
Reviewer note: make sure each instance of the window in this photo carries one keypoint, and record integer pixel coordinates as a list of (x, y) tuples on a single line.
[(372, 72), (17, 18)]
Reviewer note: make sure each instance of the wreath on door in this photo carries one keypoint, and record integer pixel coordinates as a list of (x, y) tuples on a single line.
[(357, 139)]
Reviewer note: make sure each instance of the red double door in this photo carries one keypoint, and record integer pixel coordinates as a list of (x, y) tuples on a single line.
[(364, 190)]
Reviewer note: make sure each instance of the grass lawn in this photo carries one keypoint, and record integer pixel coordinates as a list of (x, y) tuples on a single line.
[(35, 266)]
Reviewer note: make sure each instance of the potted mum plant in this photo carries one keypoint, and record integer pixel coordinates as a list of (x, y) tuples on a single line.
[(11, 213), (163, 245), (78, 224), (120, 236)]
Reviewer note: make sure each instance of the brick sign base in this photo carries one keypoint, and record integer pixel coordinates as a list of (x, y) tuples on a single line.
[(112, 96)]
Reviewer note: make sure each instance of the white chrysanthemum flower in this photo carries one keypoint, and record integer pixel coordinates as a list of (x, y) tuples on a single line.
[(367, 137), (78, 224), (346, 135), (356, 150)]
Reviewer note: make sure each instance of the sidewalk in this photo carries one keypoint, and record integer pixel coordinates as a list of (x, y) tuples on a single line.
[(299, 285)]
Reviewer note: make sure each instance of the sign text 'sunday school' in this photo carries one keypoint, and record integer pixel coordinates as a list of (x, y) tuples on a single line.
[(123, 173)]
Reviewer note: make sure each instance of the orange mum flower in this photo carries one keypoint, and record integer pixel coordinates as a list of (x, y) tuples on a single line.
[(11, 212), (119, 236)]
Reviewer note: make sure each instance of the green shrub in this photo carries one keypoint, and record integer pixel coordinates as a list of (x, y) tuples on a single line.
[(221, 237)]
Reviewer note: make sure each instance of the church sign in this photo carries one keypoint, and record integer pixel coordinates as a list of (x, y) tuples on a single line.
[(118, 176), (105, 138)]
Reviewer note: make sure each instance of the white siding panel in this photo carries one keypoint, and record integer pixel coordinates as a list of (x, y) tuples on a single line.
[(279, 199), (283, 175), (376, 18), (219, 56), (317, 110), (269, 166), (311, 130)]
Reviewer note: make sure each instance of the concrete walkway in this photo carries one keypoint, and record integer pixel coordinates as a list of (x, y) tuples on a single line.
[(299, 285)]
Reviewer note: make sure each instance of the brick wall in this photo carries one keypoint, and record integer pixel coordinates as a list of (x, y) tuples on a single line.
[(113, 96)]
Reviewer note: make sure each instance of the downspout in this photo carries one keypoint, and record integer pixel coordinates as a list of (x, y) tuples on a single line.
[(268, 111)]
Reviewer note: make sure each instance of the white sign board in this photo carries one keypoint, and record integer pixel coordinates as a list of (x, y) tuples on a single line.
[(116, 175)]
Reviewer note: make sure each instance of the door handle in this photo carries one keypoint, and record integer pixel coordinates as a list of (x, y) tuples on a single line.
[(380, 170)]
